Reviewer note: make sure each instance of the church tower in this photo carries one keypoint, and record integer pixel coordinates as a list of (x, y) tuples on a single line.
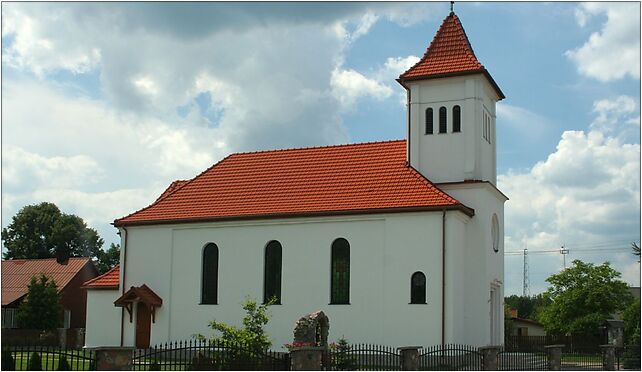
[(451, 110)]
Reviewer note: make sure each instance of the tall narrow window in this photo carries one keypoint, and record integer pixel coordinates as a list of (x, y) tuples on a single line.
[(418, 288), (340, 279), (209, 286), (456, 118), (272, 274), (429, 120), (442, 119)]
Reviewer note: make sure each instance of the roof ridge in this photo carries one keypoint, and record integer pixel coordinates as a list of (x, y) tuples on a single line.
[(316, 147), (42, 259)]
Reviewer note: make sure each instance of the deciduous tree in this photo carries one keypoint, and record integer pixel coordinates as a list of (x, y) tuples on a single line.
[(582, 297)]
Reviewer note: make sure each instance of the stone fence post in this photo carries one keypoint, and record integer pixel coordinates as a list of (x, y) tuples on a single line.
[(409, 358), (554, 353), (114, 358), (306, 358), (489, 357), (608, 357)]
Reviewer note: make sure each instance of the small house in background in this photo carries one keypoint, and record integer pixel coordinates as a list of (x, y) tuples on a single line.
[(525, 327), (68, 275)]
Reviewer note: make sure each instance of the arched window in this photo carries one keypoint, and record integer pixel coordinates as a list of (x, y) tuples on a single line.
[(209, 285), (456, 118), (340, 279), (494, 233), (272, 274), (442, 119), (418, 288), (429, 120)]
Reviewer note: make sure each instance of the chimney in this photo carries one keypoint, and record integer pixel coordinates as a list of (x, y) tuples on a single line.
[(513, 313)]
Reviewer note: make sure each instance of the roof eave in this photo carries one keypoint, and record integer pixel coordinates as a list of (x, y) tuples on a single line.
[(460, 207), (402, 80)]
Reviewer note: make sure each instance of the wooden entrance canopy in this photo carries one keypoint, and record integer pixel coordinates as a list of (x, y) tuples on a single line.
[(142, 294)]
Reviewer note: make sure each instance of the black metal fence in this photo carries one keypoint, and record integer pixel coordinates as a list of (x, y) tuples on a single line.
[(208, 355), (537, 343), (363, 357), (46, 358), (628, 358), (511, 360), (450, 358), (582, 359)]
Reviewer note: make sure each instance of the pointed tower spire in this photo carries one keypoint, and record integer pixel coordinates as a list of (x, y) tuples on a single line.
[(449, 54)]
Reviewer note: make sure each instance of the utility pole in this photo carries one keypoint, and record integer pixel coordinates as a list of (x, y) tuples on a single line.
[(564, 252), (525, 290)]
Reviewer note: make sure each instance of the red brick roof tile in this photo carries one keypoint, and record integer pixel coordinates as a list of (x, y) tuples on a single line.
[(108, 280), (449, 54), (17, 274), (342, 179)]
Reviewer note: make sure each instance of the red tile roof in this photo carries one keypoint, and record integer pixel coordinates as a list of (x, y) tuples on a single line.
[(449, 54), (108, 280), (342, 179), (16, 274), (172, 186)]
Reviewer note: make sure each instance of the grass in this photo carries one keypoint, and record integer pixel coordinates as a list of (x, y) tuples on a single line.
[(582, 358), (50, 358)]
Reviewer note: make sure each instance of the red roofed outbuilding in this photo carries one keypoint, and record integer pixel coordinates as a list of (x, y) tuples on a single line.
[(69, 277)]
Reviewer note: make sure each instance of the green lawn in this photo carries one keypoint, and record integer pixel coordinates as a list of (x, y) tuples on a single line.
[(51, 358)]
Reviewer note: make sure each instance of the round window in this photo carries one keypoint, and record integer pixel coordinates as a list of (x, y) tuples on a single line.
[(494, 233)]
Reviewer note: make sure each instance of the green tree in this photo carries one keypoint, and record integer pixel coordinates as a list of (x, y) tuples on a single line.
[(582, 297), (636, 249), (631, 317), (106, 260), (508, 322), (63, 364), (41, 308), (527, 307), (43, 231)]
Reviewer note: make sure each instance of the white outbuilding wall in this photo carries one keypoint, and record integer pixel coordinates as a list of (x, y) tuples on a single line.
[(103, 318), (385, 250)]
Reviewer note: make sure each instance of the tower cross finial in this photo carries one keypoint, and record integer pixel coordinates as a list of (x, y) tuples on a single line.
[(452, 5)]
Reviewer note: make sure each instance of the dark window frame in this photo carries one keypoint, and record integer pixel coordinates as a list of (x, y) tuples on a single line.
[(340, 279), (209, 274), (456, 119), (272, 271), (429, 121), (417, 291), (443, 120)]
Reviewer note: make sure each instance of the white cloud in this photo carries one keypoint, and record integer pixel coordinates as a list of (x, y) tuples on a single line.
[(22, 169), (349, 85), (613, 52), (587, 191)]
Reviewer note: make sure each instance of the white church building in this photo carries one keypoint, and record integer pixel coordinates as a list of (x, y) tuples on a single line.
[(397, 242)]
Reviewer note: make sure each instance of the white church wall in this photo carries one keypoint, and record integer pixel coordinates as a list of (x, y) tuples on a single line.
[(475, 157), (480, 260), (385, 251), (103, 318)]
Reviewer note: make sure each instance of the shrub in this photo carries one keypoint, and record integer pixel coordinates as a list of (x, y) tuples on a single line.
[(35, 362), (63, 364), (342, 359), (8, 364)]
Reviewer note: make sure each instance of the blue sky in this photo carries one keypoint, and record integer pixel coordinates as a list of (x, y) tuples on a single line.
[(104, 104)]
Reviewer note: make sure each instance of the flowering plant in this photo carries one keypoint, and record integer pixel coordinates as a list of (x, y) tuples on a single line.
[(299, 344)]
